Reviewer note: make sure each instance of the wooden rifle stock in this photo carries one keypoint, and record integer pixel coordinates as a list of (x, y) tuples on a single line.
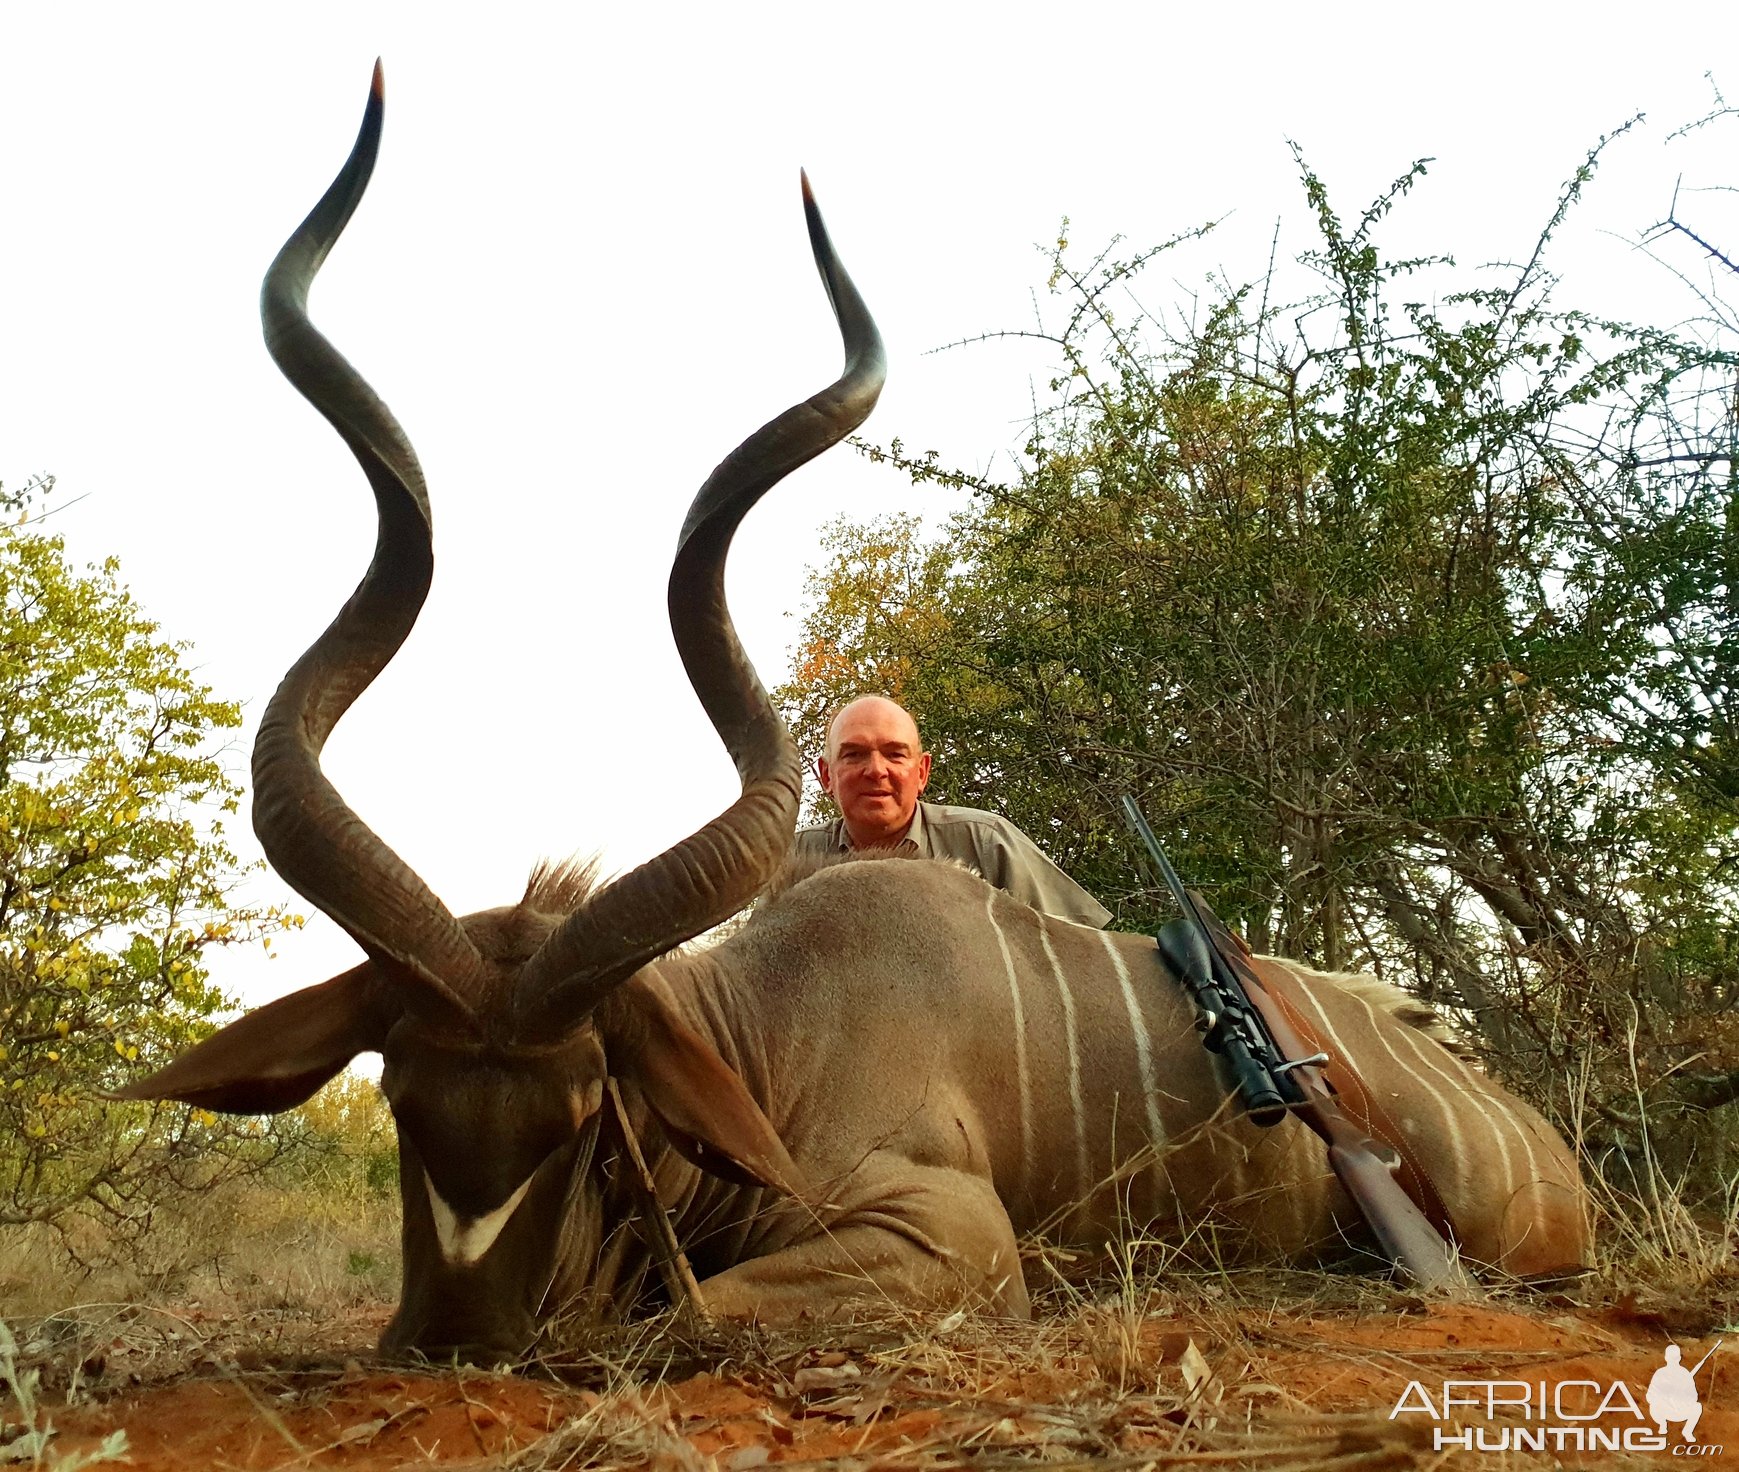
[(1277, 1072), (1364, 1165)]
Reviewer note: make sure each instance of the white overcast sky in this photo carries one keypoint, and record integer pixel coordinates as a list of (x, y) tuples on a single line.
[(581, 276)]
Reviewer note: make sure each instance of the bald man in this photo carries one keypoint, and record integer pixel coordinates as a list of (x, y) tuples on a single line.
[(876, 768)]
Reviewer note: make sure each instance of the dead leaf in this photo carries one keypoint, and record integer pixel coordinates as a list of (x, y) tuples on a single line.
[(780, 1432), (869, 1405), (823, 1377), (1172, 1344), (361, 1433), (1198, 1377)]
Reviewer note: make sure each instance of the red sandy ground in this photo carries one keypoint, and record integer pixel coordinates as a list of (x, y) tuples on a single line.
[(1297, 1386)]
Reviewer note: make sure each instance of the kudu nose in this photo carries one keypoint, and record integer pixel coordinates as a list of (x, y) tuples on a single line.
[(482, 1334)]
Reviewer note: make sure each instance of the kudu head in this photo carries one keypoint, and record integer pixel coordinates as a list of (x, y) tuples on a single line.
[(494, 1063)]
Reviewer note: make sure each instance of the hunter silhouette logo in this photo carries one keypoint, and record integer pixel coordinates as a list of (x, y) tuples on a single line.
[(1672, 1393), (1566, 1415)]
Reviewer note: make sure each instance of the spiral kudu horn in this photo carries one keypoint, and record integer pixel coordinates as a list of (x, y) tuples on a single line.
[(310, 835), (713, 873)]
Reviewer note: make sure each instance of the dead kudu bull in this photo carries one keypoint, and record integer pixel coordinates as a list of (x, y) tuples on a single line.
[(864, 1094)]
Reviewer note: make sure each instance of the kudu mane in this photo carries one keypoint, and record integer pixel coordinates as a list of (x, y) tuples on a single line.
[(801, 866), (560, 886)]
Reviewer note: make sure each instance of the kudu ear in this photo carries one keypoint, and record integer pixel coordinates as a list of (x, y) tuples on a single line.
[(278, 1055), (711, 1118)]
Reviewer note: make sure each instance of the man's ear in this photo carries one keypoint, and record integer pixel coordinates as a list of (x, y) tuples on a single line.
[(708, 1113), (278, 1055), (823, 775), (923, 770)]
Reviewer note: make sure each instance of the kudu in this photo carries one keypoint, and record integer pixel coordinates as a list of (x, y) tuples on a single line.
[(864, 1094)]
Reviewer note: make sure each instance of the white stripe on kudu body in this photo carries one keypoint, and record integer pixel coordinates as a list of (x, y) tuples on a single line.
[(1143, 1047), (1071, 1036), (1023, 1075), (1510, 1123), (960, 1139), (1445, 1112), (1499, 1163), (1467, 1140)]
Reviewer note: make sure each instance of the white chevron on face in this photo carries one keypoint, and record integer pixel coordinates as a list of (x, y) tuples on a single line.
[(464, 1239)]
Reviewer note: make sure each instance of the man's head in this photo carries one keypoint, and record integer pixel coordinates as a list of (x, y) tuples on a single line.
[(874, 768)]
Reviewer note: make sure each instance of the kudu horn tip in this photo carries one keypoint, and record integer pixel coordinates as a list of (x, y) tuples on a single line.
[(377, 85), (818, 241)]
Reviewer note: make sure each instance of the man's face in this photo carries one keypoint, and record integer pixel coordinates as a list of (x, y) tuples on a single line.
[(874, 769)]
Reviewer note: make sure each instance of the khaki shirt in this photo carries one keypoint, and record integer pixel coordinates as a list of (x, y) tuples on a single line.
[(986, 843)]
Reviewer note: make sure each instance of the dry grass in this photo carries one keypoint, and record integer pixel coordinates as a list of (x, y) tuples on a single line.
[(256, 1309), (1202, 1368), (243, 1247), (1198, 1372)]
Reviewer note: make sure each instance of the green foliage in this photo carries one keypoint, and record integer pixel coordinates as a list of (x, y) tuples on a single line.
[(114, 875), (349, 1144), (27, 1433), (1407, 611)]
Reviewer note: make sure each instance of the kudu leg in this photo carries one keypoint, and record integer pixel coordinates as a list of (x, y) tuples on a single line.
[(922, 1237)]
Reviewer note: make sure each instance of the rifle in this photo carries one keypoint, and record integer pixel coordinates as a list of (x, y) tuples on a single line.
[(1276, 1074)]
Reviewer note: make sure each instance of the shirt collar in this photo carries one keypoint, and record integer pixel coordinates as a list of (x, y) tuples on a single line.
[(914, 834)]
